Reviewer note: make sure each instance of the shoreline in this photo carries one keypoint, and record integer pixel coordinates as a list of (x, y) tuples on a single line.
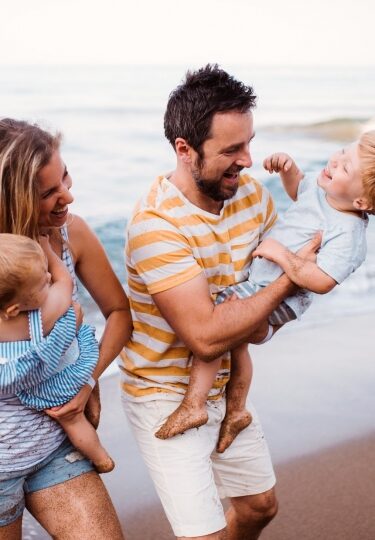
[(313, 390)]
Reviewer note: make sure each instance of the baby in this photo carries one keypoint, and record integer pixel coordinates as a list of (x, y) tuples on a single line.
[(41, 372), (336, 203)]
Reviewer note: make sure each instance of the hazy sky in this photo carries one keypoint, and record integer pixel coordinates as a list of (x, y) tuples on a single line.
[(294, 32)]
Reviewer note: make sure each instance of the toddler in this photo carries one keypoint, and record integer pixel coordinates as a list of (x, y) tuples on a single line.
[(337, 203), (40, 373)]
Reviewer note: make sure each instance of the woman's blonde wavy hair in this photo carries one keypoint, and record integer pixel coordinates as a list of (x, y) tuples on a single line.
[(24, 150)]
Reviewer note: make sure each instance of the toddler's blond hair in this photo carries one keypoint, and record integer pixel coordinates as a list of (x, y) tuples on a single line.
[(19, 256)]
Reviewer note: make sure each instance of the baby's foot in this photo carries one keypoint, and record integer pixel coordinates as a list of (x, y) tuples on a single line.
[(183, 418), (233, 423), (104, 466)]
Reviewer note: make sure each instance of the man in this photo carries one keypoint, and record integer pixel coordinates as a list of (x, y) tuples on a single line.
[(189, 238)]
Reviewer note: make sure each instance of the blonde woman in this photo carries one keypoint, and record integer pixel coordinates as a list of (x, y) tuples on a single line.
[(67, 498)]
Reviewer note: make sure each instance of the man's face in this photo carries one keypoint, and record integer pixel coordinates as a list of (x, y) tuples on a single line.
[(225, 153)]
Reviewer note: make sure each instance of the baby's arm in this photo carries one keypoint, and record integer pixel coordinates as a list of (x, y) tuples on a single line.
[(304, 273), (290, 174), (59, 297)]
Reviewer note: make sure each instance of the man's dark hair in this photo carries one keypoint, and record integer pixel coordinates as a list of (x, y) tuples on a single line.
[(192, 105)]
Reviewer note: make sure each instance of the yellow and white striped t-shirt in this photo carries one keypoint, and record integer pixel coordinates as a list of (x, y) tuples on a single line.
[(170, 241)]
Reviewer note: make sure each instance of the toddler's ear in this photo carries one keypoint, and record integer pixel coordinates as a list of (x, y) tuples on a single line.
[(363, 204), (11, 311)]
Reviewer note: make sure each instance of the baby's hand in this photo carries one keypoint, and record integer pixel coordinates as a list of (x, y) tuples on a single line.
[(278, 162), (269, 249), (44, 242)]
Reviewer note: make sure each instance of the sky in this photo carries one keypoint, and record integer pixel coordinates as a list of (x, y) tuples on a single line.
[(174, 32)]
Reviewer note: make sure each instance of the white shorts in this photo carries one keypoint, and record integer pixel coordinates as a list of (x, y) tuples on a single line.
[(190, 477)]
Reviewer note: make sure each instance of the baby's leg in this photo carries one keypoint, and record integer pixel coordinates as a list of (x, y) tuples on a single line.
[(192, 410), (236, 417), (83, 436), (93, 407)]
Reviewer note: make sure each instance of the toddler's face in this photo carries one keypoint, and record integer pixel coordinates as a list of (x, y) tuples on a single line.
[(341, 179)]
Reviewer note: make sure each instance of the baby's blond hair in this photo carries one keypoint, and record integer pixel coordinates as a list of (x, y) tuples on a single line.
[(367, 157), (18, 257)]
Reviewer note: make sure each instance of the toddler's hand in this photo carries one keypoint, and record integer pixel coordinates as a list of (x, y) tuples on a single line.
[(269, 249), (278, 162)]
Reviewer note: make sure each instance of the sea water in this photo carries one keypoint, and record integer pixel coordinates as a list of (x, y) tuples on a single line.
[(114, 146)]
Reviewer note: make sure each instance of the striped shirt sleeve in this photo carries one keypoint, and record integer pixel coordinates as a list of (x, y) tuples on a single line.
[(160, 253)]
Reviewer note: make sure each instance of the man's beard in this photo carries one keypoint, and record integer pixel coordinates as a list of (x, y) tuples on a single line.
[(212, 188)]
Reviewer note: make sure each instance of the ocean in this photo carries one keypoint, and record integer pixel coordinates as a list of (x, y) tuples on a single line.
[(114, 146)]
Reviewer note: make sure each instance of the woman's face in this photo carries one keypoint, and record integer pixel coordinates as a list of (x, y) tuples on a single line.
[(54, 185)]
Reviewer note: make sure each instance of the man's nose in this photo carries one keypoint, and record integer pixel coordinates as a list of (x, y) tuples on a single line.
[(244, 160)]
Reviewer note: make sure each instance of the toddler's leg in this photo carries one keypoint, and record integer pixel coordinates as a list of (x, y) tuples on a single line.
[(93, 407), (236, 417), (83, 436), (192, 410)]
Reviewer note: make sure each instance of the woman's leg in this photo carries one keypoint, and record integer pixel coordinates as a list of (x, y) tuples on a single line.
[(78, 508), (13, 531)]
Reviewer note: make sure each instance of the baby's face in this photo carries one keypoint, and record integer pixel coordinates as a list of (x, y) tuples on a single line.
[(35, 292), (341, 179)]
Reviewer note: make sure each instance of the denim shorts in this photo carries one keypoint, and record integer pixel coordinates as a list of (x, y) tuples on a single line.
[(62, 464)]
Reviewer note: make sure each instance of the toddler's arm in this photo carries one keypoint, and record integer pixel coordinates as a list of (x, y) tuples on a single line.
[(290, 174), (59, 297), (304, 273)]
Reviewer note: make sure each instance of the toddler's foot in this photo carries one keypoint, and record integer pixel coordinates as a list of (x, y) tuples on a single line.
[(104, 466), (183, 418), (233, 423)]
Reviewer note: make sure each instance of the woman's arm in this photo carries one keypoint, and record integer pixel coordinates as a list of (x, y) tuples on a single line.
[(95, 272)]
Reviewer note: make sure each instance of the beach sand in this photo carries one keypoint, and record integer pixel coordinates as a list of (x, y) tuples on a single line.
[(314, 391)]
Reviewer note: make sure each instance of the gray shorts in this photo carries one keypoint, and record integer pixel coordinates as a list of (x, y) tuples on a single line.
[(282, 314), (61, 465)]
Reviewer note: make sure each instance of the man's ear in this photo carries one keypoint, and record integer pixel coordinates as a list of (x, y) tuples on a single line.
[(363, 204), (11, 311), (183, 150)]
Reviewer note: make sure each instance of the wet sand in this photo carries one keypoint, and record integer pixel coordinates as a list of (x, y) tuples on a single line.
[(314, 391)]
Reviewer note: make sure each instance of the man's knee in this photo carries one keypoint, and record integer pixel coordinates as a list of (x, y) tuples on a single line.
[(259, 509)]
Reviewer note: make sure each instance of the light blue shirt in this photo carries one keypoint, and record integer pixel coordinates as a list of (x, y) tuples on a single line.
[(343, 247)]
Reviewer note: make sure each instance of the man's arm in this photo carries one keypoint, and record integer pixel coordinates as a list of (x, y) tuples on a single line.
[(304, 273), (290, 174), (209, 330)]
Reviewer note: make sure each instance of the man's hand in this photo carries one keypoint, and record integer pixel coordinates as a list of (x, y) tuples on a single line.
[(270, 249), (309, 250), (278, 162)]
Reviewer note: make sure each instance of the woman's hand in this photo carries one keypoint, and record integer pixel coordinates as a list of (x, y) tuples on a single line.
[(73, 407)]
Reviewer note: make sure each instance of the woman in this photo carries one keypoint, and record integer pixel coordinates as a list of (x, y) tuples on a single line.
[(38, 465)]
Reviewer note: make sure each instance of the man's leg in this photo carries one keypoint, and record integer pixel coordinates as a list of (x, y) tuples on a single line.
[(181, 468), (244, 474), (247, 516)]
